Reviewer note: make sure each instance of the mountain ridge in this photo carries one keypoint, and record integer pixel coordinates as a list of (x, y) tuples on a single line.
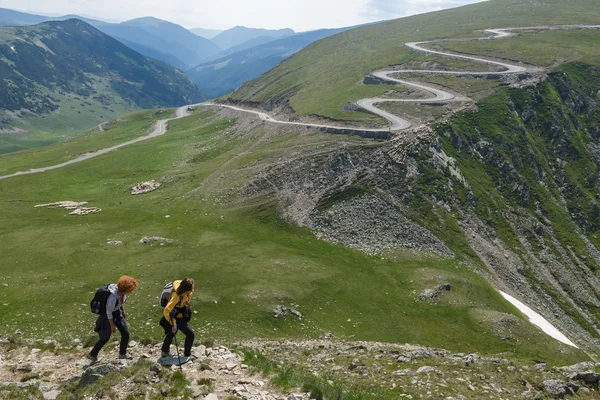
[(240, 34), (61, 69)]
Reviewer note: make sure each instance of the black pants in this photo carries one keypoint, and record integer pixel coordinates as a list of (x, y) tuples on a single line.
[(103, 329), (183, 327)]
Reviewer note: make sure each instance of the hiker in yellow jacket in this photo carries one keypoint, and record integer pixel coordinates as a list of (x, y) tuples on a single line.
[(176, 315)]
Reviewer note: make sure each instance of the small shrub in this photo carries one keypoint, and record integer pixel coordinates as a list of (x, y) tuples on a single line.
[(205, 381), (29, 376), (146, 341)]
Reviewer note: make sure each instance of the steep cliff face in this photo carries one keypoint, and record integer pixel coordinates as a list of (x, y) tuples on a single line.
[(511, 189), (528, 200)]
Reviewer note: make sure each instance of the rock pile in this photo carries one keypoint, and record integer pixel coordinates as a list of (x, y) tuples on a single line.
[(159, 239), (429, 294), (404, 142), (85, 211), (145, 187), (282, 311), (76, 206), (369, 224)]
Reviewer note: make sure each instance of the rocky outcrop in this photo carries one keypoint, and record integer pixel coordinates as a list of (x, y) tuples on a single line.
[(145, 187), (219, 372)]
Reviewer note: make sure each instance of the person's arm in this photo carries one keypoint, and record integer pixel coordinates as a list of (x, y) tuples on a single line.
[(123, 306), (169, 308), (111, 304)]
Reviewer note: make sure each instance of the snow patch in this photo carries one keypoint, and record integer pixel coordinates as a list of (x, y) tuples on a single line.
[(538, 320)]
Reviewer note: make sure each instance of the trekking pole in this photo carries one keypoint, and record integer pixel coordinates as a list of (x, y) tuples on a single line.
[(177, 348)]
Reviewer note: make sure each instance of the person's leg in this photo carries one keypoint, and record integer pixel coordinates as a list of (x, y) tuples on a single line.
[(103, 329), (124, 329), (168, 335), (184, 328)]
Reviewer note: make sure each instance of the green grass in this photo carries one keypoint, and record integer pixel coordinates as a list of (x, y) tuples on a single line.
[(319, 387), (122, 129), (244, 258), (545, 48), (324, 77), (76, 113)]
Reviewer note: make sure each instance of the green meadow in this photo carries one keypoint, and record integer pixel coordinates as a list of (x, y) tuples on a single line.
[(244, 258)]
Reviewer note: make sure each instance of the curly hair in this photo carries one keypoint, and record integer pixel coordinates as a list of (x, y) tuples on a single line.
[(186, 285), (127, 284)]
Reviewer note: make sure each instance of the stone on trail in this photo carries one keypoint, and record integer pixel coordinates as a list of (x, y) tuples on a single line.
[(95, 372), (211, 396), (51, 395)]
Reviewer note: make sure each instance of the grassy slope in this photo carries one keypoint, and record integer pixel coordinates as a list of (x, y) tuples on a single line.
[(245, 260), (325, 76), (122, 129)]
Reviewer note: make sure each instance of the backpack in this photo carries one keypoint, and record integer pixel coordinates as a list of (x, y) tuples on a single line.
[(165, 295), (98, 303)]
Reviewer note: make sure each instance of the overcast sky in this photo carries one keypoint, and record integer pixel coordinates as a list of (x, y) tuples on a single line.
[(300, 15)]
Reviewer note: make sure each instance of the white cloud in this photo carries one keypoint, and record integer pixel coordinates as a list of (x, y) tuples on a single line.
[(300, 15)]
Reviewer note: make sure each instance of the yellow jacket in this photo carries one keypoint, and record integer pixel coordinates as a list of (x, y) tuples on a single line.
[(176, 301)]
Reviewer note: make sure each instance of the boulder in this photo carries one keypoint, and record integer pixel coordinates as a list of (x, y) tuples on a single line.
[(555, 388), (95, 372)]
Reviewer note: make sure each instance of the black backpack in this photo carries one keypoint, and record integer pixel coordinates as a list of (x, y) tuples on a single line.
[(165, 295), (98, 303)]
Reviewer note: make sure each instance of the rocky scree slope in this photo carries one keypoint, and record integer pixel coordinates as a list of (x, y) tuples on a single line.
[(510, 189)]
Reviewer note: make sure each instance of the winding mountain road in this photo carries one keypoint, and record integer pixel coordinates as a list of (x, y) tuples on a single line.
[(435, 95)]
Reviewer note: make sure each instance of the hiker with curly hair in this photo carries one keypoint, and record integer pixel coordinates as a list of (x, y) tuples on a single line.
[(176, 315), (114, 317)]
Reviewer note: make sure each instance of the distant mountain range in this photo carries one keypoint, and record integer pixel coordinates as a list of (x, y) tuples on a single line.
[(240, 34), (165, 37), (71, 67), (150, 36), (217, 66), (206, 33), (223, 75)]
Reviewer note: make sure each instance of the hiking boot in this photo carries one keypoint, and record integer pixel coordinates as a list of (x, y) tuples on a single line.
[(92, 358), (183, 359), (125, 357), (164, 354)]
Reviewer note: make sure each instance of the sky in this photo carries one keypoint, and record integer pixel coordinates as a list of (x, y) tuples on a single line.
[(300, 15)]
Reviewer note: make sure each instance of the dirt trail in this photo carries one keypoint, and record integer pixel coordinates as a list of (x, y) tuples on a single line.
[(160, 128)]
